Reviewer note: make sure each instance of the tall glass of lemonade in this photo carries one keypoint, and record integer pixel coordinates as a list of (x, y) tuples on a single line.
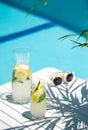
[(38, 101), (21, 78)]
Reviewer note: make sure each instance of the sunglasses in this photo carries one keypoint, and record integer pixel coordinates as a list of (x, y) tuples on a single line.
[(61, 77)]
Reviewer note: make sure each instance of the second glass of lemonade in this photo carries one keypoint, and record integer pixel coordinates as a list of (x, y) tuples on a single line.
[(38, 101)]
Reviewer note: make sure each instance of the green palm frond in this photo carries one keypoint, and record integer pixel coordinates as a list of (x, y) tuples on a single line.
[(84, 33), (34, 5), (46, 2), (79, 44), (67, 36), (19, 2), (85, 44), (37, 3)]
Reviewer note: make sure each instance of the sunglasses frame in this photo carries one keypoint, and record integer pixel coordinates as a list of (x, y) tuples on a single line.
[(63, 76)]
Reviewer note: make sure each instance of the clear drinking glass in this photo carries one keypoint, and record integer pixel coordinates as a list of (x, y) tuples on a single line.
[(21, 78), (38, 101)]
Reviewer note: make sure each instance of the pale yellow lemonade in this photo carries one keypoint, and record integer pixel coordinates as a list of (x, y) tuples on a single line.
[(38, 101), (21, 84)]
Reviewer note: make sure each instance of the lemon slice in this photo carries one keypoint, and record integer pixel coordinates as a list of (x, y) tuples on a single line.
[(35, 96), (22, 72), (38, 95), (41, 85)]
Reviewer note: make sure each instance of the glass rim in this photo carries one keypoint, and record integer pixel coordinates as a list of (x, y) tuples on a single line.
[(19, 49)]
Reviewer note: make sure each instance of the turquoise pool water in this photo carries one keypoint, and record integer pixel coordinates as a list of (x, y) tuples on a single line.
[(41, 36)]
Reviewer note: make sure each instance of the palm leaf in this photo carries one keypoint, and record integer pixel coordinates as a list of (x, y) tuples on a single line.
[(67, 36), (46, 2), (35, 4), (79, 44), (76, 42), (84, 32), (75, 47), (19, 2), (85, 44)]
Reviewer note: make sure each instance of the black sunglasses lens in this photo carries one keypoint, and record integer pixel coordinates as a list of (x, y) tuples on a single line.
[(69, 77), (57, 81)]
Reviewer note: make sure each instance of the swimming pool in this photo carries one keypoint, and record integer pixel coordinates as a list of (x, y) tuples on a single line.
[(41, 36)]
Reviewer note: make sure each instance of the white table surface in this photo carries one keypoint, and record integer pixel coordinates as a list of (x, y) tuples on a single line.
[(67, 106)]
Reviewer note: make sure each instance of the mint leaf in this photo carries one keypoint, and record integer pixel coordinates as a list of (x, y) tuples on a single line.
[(42, 97), (14, 79), (37, 86), (20, 81), (28, 78)]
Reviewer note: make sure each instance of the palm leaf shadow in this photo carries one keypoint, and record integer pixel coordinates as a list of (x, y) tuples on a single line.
[(72, 108), (69, 108)]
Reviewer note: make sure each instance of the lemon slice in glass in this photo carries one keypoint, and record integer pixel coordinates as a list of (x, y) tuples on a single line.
[(41, 85), (38, 95), (22, 72), (35, 96)]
